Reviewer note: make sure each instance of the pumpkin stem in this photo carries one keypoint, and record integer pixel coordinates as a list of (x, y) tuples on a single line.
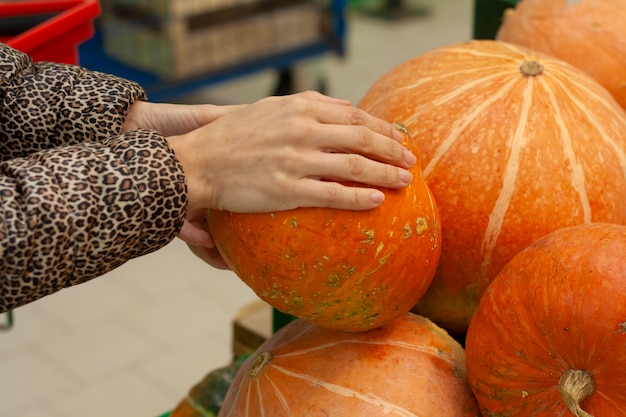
[(531, 68), (260, 362), (575, 386), (402, 128)]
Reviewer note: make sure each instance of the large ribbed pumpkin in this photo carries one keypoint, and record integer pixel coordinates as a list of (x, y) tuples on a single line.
[(407, 368), (513, 145), (590, 34), (548, 338), (341, 269)]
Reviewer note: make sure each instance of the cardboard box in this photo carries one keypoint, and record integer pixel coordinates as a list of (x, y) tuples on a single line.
[(180, 39)]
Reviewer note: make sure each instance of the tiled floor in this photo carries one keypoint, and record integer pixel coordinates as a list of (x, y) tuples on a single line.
[(131, 343)]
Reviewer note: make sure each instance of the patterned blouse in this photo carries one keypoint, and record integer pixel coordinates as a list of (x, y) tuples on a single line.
[(78, 197)]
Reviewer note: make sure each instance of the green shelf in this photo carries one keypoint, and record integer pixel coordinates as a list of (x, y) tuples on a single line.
[(488, 17)]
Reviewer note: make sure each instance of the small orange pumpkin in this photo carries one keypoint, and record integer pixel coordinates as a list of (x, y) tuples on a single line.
[(341, 269), (589, 34), (409, 367), (548, 336), (513, 144)]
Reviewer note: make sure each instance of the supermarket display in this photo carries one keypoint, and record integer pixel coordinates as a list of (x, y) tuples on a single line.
[(492, 286), (514, 144)]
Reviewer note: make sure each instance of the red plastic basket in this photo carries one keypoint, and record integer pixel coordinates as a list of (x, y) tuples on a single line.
[(67, 23)]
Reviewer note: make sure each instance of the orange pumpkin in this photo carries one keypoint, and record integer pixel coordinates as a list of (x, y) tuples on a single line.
[(409, 367), (341, 269), (550, 331), (590, 34), (513, 145)]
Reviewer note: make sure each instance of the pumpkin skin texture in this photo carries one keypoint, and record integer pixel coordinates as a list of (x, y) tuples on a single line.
[(341, 269), (513, 145), (555, 312), (409, 368), (589, 34)]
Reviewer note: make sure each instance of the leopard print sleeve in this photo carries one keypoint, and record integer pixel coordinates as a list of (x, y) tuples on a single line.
[(78, 197), (73, 213), (44, 105)]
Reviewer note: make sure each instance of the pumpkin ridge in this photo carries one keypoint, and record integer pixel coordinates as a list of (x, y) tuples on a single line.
[(501, 206), (279, 395), (583, 83), (451, 96), (247, 407), (429, 351), (481, 54), (594, 121), (259, 395), (346, 392), (515, 49), (284, 340), (577, 178), (461, 124)]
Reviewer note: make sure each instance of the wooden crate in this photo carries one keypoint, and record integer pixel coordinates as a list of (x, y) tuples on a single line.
[(251, 327), (179, 39)]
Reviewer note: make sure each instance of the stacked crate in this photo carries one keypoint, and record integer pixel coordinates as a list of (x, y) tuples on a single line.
[(178, 39)]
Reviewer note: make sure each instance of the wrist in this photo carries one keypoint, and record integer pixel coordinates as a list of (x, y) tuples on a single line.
[(198, 192)]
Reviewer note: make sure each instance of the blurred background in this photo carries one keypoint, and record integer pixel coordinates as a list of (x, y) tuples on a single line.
[(132, 343)]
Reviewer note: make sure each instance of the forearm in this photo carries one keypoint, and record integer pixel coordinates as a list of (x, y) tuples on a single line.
[(74, 213), (45, 105)]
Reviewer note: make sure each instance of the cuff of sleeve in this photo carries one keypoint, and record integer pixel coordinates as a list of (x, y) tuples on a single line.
[(159, 180)]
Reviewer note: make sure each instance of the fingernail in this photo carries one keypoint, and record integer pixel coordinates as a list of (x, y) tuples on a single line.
[(377, 197), (409, 158), (405, 175)]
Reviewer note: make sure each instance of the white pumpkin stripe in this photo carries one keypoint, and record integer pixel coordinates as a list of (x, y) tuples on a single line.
[(460, 124), (284, 340), (279, 395), (583, 84), (450, 97), (480, 54), (259, 395), (247, 408), (578, 180), (501, 206), (371, 399), (515, 48), (619, 152), (403, 345), (586, 85), (233, 404), (400, 91)]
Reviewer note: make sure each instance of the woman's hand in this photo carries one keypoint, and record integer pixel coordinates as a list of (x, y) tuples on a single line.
[(194, 233), (292, 151), (173, 119)]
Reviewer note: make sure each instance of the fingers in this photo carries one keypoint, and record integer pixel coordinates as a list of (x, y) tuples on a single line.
[(337, 196), (356, 168), (194, 230), (313, 96), (333, 111), (353, 116), (347, 129), (360, 140), (210, 256)]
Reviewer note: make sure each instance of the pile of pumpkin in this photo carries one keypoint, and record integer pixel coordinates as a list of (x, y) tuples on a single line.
[(495, 284)]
